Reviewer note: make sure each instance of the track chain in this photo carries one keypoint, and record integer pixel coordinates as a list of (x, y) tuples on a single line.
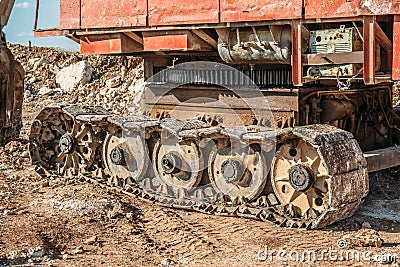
[(338, 148)]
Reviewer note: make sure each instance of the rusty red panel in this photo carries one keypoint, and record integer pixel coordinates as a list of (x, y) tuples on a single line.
[(369, 50), (297, 55), (176, 12), (173, 41), (108, 13), (116, 43), (48, 33), (240, 10), (70, 14), (396, 48), (350, 8)]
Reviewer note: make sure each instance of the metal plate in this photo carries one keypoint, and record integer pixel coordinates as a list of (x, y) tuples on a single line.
[(346, 8), (177, 12), (256, 10), (105, 14), (396, 48), (173, 40), (116, 43), (70, 14)]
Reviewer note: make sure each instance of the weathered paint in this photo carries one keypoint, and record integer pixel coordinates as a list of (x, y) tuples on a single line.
[(369, 50), (350, 8), (116, 43), (70, 14), (109, 14), (297, 57), (396, 48), (256, 10), (178, 12), (173, 40)]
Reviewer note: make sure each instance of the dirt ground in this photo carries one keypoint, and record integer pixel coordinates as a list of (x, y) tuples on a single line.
[(59, 222)]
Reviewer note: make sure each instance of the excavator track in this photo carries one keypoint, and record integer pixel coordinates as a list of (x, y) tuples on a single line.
[(302, 177)]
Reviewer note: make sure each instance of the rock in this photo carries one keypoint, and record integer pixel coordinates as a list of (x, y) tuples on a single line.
[(363, 238), (78, 250), (115, 212), (91, 240), (40, 63), (77, 74), (167, 262), (27, 94), (129, 216), (366, 225), (45, 91), (33, 61), (114, 82), (32, 80)]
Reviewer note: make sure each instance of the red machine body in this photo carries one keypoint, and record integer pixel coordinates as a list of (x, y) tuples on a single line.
[(139, 27)]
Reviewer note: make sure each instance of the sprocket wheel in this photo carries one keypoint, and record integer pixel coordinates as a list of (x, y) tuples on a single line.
[(300, 179), (61, 144)]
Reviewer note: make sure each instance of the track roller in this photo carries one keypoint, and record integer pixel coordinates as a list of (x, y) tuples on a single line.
[(178, 164), (238, 172)]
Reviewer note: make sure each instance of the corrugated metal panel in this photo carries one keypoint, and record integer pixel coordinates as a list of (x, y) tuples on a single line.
[(350, 8), (240, 10), (108, 14), (70, 14), (178, 12)]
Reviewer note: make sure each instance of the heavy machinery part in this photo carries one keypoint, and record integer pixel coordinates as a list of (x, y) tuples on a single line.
[(178, 163), (5, 11), (255, 45), (126, 156), (238, 172), (60, 142), (343, 159), (300, 179), (11, 94)]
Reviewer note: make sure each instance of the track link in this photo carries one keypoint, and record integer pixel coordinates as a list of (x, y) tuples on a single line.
[(317, 175)]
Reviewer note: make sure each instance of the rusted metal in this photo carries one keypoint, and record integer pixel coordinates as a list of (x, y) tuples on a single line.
[(297, 55), (109, 44), (70, 14), (353, 8), (369, 50), (334, 58), (111, 14), (179, 12), (396, 48), (382, 38), (11, 94), (255, 45), (50, 33), (36, 14), (238, 11), (5, 11), (382, 158), (174, 40)]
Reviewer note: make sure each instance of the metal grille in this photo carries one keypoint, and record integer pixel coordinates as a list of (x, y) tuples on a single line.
[(228, 78), (331, 41)]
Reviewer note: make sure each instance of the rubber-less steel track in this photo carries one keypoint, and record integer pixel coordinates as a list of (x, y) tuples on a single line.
[(302, 177)]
